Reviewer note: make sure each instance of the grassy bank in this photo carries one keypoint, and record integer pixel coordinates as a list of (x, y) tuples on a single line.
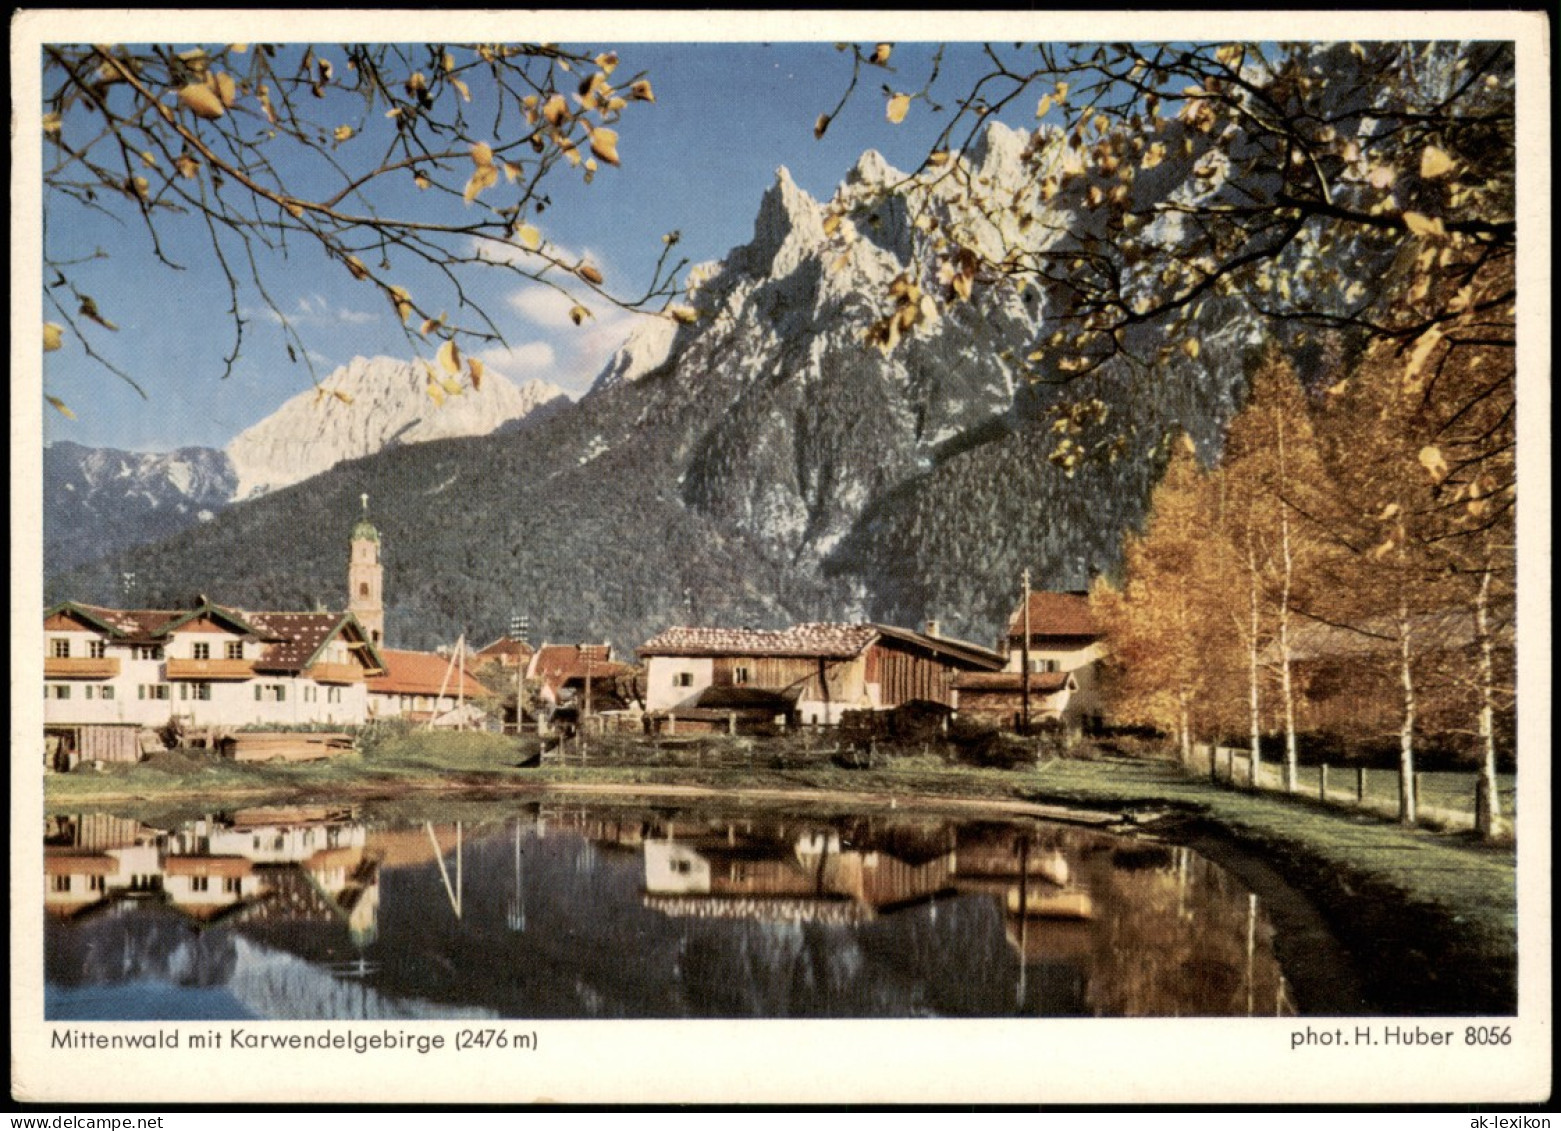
[(1428, 919)]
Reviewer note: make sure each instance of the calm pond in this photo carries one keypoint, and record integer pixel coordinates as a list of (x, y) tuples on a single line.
[(558, 911)]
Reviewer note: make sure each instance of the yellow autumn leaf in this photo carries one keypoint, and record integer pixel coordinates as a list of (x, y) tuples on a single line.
[(355, 265), (294, 209), (1188, 446), (1381, 551), (512, 172), (608, 62), (475, 367), (53, 336), (466, 94), (555, 110), (420, 179), (578, 314), (482, 154), (1423, 225), (483, 177), (1045, 106), (60, 407), (1432, 460), (641, 91), (149, 158), (684, 314), (188, 167), (1191, 347), (898, 107), (881, 53), (402, 301), (345, 398), (1435, 163), (820, 126), (604, 143), (589, 273), (343, 133), (450, 357), (52, 122), (435, 393), (223, 86), (529, 237), (450, 385), (202, 101)]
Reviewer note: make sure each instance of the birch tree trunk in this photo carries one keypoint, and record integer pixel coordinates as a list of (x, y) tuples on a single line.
[(1487, 724), (1253, 701), (1406, 734)]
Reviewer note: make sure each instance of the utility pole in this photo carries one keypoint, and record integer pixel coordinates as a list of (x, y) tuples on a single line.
[(1025, 656), (518, 631)]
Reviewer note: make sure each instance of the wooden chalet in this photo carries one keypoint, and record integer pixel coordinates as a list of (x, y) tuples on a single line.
[(1064, 639), (813, 673)]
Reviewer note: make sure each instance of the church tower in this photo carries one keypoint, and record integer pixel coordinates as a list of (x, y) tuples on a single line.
[(366, 579)]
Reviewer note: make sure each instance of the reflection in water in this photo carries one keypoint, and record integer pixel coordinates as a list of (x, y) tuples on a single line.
[(573, 913)]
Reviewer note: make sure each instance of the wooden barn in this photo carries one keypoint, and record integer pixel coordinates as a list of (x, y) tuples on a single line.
[(817, 672)]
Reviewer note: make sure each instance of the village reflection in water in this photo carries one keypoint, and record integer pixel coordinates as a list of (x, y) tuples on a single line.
[(573, 912)]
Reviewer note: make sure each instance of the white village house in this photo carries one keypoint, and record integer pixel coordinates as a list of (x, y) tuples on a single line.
[(111, 674)]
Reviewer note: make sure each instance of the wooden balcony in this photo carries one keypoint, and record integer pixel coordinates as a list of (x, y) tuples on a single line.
[(210, 669), (102, 667), (325, 672)]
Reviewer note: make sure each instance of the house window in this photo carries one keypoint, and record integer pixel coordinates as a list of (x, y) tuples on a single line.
[(310, 691), (198, 883), (105, 692), (270, 693), (683, 679), (56, 691), (201, 691), (201, 651), (231, 885), (147, 652), (333, 695), (95, 883), (363, 589), (740, 675), (59, 883), (97, 649), (235, 650), (60, 648), (152, 691)]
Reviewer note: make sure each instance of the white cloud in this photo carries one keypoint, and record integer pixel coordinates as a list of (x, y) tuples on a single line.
[(544, 306), (531, 357), (315, 310)]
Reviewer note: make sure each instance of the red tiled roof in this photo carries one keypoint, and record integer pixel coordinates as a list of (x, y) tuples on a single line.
[(298, 637), (1041, 683), (1055, 614), (506, 646), (557, 664), (422, 673), (822, 640)]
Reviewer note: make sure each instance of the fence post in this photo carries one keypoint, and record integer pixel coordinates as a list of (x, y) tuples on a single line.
[(1322, 782), (1360, 785), (1483, 824), (1230, 765)]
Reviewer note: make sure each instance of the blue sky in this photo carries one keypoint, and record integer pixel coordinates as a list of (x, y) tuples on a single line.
[(697, 161)]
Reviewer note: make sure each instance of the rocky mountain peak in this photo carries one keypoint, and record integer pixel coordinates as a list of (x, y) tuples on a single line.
[(386, 403)]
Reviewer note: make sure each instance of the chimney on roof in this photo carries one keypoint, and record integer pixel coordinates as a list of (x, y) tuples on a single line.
[(932, 628)]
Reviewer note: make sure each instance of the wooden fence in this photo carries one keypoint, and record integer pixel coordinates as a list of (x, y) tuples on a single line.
[(1447, 798)]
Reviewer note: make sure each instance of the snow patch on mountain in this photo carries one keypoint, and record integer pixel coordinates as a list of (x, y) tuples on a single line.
[(387, 404)]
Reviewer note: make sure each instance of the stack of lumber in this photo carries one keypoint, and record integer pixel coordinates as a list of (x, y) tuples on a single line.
[(283, 746)]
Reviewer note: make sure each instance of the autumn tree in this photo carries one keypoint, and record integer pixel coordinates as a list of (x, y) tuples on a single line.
[(1163, 622), (258, 151), (1275, 483)]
